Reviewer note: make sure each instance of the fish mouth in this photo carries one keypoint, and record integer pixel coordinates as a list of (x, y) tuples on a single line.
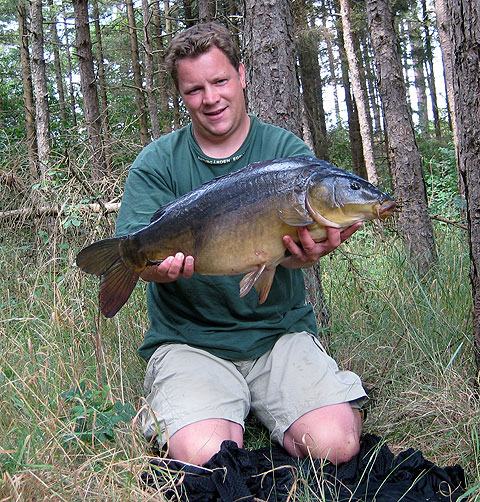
[(386, 209)]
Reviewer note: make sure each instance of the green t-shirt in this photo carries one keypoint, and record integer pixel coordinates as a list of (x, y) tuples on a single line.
[(206, 311)]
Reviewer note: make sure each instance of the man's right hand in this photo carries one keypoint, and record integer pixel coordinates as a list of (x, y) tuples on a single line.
[(171, 269)]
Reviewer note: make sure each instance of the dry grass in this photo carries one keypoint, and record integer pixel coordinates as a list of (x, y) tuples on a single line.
[(408, 337)]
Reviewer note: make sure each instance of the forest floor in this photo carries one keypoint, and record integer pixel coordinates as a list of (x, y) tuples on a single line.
[(71, 381)]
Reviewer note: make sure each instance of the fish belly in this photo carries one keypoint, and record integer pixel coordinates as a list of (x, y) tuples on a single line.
[(231, 249)]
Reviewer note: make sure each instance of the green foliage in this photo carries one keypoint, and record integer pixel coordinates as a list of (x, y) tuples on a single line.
[(441, 177), (339, 149), (93, 414)]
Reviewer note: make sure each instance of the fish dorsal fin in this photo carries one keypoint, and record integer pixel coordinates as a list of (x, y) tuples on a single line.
[(293, 211)]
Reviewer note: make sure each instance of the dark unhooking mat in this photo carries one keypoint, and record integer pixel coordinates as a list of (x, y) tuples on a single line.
[(270, 474)]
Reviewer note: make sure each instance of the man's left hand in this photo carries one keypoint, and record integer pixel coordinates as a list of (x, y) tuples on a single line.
[(308, 252)]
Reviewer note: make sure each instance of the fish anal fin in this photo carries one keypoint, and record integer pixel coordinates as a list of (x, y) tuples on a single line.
[(261, 279), (116, 286)]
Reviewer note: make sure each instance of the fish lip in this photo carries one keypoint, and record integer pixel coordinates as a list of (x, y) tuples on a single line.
[(386, 209)]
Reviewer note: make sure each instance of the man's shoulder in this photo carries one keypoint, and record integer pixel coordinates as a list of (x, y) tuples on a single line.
[(277, 141), (160, 151), (265, 126)]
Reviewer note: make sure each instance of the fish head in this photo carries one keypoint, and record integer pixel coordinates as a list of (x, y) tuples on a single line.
[(340, 199)]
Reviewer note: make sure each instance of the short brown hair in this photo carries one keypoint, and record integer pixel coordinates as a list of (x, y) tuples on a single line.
[(198, 39)]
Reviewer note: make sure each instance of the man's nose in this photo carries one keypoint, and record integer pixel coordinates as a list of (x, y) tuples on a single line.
[(210, 95)]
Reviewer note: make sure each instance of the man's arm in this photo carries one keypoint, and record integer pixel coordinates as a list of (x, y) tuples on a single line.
[(310, 251)]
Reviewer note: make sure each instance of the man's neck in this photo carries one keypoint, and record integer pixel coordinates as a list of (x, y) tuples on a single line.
[(223, 147)]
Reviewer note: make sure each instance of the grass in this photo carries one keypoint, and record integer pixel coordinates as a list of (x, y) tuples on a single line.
[(409, 338)]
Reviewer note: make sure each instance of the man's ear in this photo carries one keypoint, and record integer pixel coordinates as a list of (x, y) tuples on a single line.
[(241, 72)]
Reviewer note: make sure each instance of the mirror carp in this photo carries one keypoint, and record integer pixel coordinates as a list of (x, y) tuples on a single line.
[(234, 224)]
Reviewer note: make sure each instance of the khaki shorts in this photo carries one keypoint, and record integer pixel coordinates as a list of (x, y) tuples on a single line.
[(185, 384)]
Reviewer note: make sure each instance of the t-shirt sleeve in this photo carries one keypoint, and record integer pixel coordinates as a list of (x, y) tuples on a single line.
[(148, 187)]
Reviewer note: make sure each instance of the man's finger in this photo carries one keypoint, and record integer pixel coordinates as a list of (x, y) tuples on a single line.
[(350, 231)]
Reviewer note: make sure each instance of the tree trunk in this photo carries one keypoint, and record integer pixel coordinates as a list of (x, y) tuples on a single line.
[(418, 59), (327, 35), (371, 79), (414, 223), (307, 46), (206, 10), (430, 73), (270, 58), (149, 69), (71, 91), (91, 105), (39, 77), (58, 66), (164, 84), (465, 40), (137, 76), (28, 102), (444, 30), (273, 90), (102, 85), (359, 93)]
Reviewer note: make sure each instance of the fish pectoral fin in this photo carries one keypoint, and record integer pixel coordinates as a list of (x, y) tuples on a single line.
[(261, 278), (293, 213)]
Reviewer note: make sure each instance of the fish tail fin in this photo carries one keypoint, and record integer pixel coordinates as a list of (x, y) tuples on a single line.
[(261, 278), (104, 259)]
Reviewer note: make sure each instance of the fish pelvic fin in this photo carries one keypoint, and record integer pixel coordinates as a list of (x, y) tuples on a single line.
[(104, 259), (261, 278)]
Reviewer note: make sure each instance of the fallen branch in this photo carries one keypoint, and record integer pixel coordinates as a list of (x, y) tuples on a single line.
[(31, 212), (450, 222)]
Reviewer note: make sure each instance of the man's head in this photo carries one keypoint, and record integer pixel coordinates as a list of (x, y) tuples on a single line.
[(197, 40)]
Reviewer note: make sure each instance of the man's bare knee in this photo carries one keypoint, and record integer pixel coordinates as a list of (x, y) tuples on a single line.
[(198, 442), (331, 433)]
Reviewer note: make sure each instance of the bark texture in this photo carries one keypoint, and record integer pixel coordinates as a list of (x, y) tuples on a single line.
[(359, 93), (465, 40), (414, 222), (28, 102), (307, 47), (149, 69), (88, 85), (273, 92), (137, 76), (39, 77), (102, 83)]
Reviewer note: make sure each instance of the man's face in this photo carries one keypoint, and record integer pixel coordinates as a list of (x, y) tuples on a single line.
[(212, 91)]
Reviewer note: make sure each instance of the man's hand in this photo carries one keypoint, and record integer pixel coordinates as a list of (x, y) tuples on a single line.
[(310, 251), (171, 269)]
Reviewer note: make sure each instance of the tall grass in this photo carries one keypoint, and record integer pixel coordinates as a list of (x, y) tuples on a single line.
[(63, 368)]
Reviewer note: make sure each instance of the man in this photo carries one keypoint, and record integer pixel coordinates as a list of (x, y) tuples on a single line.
[(212, 356)]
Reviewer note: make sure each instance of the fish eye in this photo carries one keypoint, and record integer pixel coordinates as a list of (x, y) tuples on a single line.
[(355, 185)]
